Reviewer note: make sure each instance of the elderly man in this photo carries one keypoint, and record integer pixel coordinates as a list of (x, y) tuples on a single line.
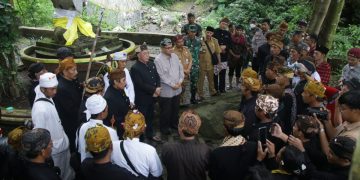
[(44, 115), (147, 88), (97, 111), (186, 159), (171, 77), (121, 58), (36, 146)]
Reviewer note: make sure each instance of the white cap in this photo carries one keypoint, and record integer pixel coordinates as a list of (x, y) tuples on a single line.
[(95, 104), (48, 80), (120, 56)]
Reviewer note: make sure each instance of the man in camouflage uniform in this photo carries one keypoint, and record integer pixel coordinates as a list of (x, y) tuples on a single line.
[(194, 45)]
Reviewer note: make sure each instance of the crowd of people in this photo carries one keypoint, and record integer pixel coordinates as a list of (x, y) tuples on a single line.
[(291, 124)]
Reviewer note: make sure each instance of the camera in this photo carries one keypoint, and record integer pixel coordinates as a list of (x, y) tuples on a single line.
[(321, 114)]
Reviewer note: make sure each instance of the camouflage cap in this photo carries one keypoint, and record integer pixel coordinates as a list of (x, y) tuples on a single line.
[(193, 28)]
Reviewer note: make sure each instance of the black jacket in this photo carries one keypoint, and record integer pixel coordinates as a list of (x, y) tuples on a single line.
[(224, 38), (67, 103), (247, 107), (145, 79), (119, 105)]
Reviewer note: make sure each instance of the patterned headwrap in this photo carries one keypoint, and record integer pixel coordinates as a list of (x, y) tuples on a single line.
[(189, 122), (267, 103), (234, 119), (14, 137), (249, 72), (97, 139), (252, 84), (94, 85), (315, 88), (287, 72), (277, 42), (65, 64), (165, 42), (35, 140), (134, 124)]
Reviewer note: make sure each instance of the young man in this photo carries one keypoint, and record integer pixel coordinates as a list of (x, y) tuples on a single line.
[(44, 115), (259, 39), (147, 88), (171, 75), (37, 146), (118, 102), (311, 40), (34, 72), (313, 96), (352, 69), (187, 158), (206, 66), (68, 97), (186, 60), (97, 109), (194, 45), (121, 58), (224, 39), (322, 67), (191, 21), (143, 157), (98, 144)]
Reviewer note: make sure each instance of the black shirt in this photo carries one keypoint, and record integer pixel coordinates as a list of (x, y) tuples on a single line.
[(109, 171), (118, 106), (224, 38), (31, 92), (247, 107), (232, 162), (40, 171)]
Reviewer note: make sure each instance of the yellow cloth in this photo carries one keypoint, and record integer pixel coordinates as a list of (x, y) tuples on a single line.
[(97, 139), (279, 171), (71, 33), (134, 124), (315, 88), (249, 72)]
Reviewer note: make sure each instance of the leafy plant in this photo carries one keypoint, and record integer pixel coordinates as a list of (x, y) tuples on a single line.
[(36, 13)]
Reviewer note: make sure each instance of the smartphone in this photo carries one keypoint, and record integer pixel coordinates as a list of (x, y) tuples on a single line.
[(262, 136)]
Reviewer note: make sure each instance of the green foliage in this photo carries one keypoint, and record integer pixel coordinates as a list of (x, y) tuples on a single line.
[(345, 38), (158, 2), (241, 11), (8, 34), (36, 13)]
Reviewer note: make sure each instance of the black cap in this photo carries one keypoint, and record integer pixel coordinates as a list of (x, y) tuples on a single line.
[(322, 49), (63, 53), (352, 84), (35, 68), (343, 147), (239, 27), (209, 28)]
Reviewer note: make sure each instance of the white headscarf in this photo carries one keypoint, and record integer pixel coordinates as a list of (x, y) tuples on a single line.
[(95, 104)]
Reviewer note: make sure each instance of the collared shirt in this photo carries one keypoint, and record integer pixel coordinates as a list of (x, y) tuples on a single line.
[(81, 139), (171, 72), (349, 72), (352, 130), (184, 56), (324, 71), (205, 54), (129, 88), (44, 115), (143, 157)]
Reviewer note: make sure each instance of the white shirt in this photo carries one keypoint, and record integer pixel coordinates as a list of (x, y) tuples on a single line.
[(44, 115), (143, 157), (81, 139), (129, 89)]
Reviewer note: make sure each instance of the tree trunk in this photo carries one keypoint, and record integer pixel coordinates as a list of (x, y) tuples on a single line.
[(320, 9), (328, 28)]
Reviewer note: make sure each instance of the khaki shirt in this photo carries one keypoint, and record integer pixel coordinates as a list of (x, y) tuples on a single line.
[(350, 130), (184, 56), (205, 56)]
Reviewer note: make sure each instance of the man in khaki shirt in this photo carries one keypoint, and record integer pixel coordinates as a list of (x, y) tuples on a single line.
[(350, 113), (186, 60), (206, 67)]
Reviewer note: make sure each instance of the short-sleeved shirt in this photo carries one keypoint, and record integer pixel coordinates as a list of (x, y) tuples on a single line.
[(205, 54), (350, 130)]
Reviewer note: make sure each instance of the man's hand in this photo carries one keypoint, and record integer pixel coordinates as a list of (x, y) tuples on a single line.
[(177, 86), (157, 92), (112, 121), (261, 154), (296, 142), (276, 131), (271, 148)]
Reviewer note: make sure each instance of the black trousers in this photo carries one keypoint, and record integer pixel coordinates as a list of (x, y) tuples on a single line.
[(148, 112), (255, 64), (219, 81), (169, 113)]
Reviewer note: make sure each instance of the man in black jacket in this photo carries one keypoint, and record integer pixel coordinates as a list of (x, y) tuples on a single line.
[(147, 87)]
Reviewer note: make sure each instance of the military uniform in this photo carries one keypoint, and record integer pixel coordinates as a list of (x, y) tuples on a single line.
[(185, 29), (194, 46)]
